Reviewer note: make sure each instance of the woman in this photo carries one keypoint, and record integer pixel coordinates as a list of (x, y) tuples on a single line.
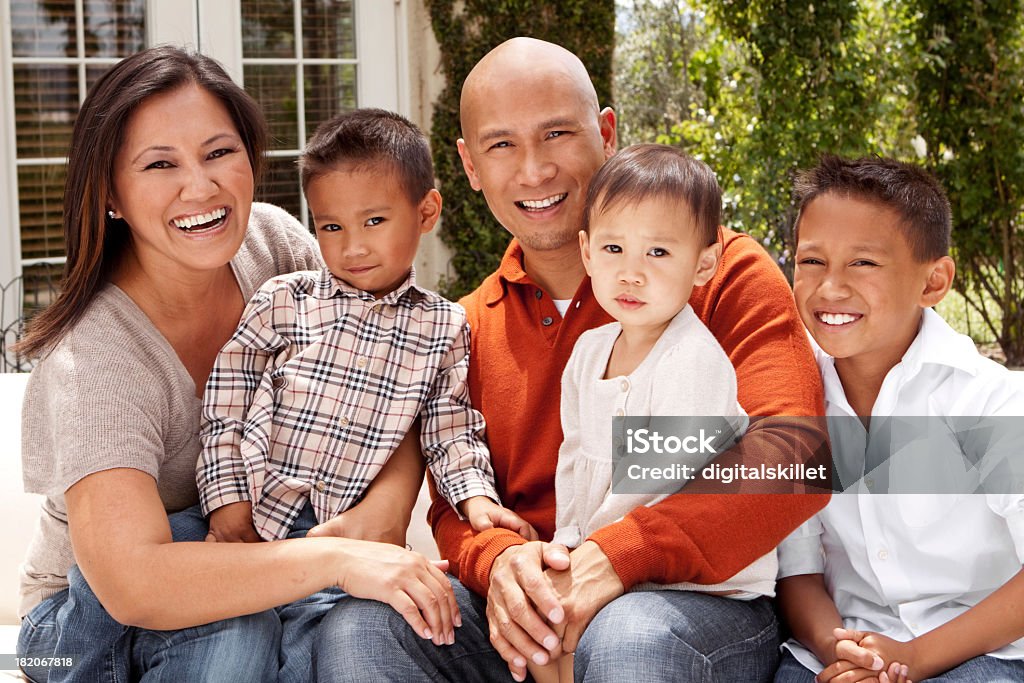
[(164, 248)]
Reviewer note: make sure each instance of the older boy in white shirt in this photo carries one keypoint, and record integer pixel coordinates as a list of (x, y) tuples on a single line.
[(902, 587)]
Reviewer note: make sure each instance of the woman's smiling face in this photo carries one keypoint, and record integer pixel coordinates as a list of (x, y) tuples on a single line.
[(182, 182)]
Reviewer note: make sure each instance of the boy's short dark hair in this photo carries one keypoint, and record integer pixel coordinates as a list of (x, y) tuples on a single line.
[(641, 172), (370, 136), (910, 191)]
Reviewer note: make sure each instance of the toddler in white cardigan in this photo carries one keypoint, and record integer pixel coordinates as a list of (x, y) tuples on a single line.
[(650, 235)]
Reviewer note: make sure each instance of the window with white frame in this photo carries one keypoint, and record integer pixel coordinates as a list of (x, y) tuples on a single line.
[(299, 62), (58, 48), (303, 61)]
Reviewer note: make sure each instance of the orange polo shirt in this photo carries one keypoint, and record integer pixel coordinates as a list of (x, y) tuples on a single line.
[(519, 347)]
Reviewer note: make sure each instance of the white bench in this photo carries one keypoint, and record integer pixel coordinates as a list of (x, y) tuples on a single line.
[(19, 512)]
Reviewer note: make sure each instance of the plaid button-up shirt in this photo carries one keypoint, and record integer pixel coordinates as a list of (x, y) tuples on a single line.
[(318, 386)]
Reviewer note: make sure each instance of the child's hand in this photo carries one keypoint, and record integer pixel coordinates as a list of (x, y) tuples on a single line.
[(850, 650), (844, 671), (896, 673), (860, 655), (232, 523), (483, 513), (904, 655)]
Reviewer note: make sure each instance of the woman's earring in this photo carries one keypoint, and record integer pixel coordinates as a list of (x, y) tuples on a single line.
[(111, 214)]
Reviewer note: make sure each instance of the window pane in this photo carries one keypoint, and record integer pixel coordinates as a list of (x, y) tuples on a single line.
[(40, 195), (45, 104), (268, 28), (280, 184), (114, 28), (43, 28), (328, 29), (330, 90), (274, 88), (46, 101)]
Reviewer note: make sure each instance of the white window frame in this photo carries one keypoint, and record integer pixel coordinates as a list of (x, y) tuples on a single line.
[(215, 26), (10, 229)]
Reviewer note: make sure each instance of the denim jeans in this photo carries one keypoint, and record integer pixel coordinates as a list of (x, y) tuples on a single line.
[(645, 636), (792, 671), (978, 670), (365, 640), (300, 619), (73, 622)]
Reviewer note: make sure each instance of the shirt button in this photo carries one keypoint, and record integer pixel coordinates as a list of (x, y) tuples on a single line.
[(625, 385), (320, 486), (343, 421), (280, 382), (620, 412), (883, 555), (547, 320), (539, 294), (361, 362), (869, 482), (375, 308)]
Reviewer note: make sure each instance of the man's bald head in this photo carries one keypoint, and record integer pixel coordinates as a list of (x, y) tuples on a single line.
[(522, 59), (532, 137)]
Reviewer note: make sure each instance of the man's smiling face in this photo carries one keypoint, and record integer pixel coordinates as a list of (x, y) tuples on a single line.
[(533, 139)]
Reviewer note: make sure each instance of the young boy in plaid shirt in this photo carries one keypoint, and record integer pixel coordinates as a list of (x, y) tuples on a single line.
[(329, 370)]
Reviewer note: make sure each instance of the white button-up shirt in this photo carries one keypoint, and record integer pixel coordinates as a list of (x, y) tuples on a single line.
[(904, 564)]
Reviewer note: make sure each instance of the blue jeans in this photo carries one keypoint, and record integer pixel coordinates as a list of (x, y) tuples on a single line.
[(365, 640), (73, 622), (300, 619), (978, 670), (643, 636)]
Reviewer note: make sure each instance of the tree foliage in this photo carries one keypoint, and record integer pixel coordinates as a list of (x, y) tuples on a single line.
[(761, 88), (774, 84), (970, 86), (653, 58), (466, 30)]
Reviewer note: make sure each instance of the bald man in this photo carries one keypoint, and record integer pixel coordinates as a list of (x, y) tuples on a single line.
[(533, 136)]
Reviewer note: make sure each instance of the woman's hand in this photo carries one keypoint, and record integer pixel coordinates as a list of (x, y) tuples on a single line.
[(414, 586), (232, 523)]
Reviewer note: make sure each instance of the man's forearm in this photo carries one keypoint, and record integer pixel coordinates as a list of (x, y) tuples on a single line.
[(693, 537)]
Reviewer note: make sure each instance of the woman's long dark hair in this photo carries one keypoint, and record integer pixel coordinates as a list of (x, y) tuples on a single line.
[(94, 241)]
